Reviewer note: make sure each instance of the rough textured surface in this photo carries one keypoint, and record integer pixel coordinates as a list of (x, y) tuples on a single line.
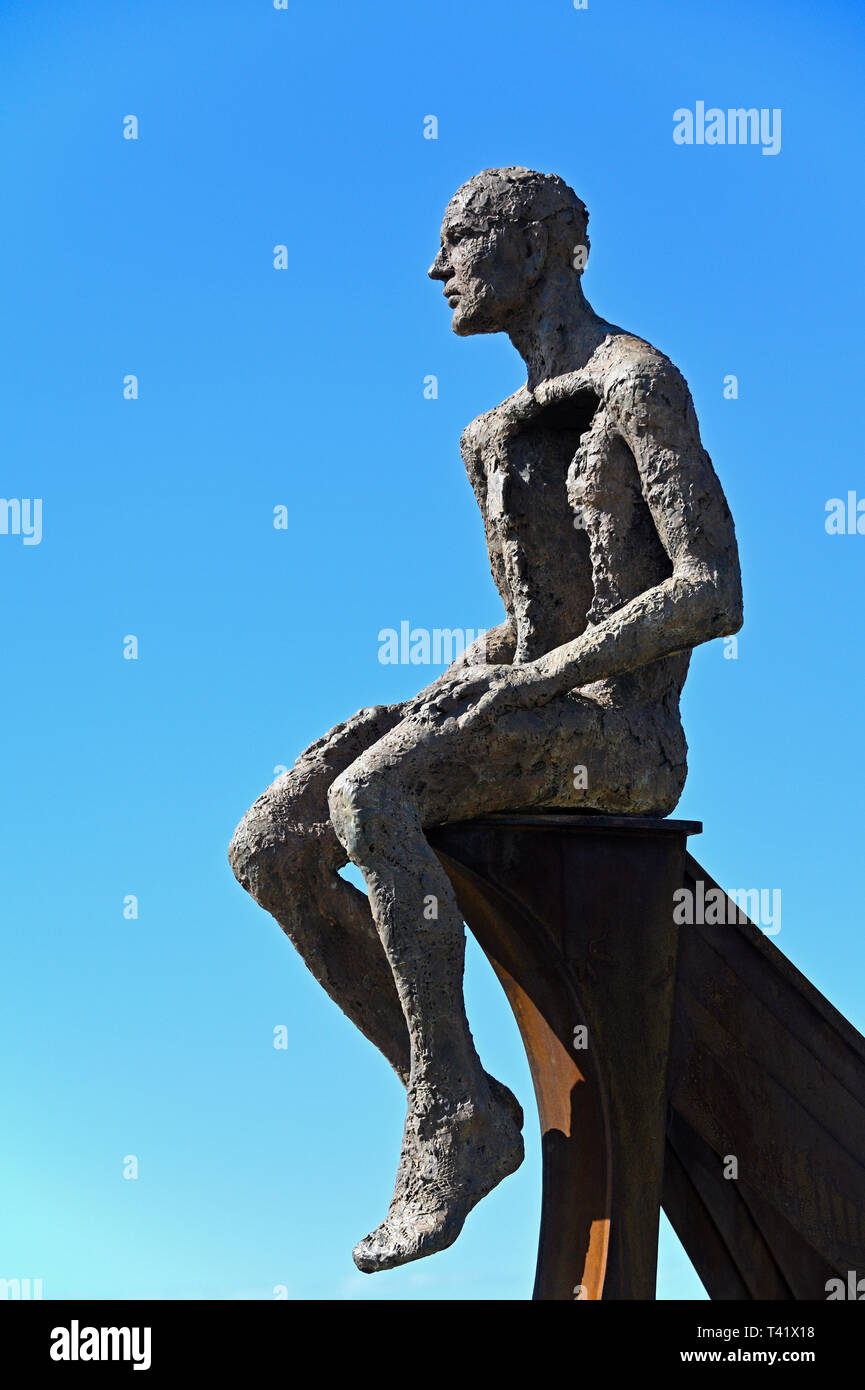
[(613, 549)]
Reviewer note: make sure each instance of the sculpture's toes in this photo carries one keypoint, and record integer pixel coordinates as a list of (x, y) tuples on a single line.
[(398, 1241)]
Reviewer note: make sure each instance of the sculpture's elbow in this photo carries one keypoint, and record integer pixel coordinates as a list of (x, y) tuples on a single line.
[(713, 604), (723, 607), (735, 614)]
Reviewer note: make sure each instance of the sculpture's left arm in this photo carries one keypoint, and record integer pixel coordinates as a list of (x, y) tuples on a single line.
[(651, 408)]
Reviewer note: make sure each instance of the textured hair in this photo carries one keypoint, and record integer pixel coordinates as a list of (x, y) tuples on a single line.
[(521, 196)]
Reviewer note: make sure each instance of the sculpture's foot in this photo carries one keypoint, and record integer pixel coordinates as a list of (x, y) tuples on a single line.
[(452, 1156)]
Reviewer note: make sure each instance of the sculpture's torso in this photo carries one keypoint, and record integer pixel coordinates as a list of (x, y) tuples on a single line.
[(569, 534)]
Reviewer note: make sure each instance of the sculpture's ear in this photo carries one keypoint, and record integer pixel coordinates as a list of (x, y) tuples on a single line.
[(536, 243)]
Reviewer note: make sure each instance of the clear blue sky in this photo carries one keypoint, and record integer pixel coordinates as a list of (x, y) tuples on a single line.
[(304, 387)]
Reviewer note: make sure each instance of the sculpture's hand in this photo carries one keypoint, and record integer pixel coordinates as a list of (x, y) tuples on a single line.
[(448, 692), (485, 691), (516, 687)]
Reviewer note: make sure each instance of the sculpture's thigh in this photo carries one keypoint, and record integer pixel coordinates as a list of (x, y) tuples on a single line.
[(570, 753), (286, 835)]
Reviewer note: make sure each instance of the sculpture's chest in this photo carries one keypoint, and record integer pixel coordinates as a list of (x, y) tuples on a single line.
[(525, 475), (527, 465)]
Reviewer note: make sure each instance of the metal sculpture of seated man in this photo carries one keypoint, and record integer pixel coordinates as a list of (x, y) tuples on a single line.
[(614, 552)]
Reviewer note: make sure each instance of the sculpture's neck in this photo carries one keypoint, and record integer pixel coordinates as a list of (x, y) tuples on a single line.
[(558, 331)]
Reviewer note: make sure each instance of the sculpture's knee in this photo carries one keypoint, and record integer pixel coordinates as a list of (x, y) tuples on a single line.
[(264, 854), (360, 815), (251, 846)]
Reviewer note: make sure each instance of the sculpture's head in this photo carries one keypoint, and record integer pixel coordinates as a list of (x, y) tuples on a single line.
[(504, 232)]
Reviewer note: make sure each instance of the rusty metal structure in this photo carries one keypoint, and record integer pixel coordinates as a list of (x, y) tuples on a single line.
[(658, 1053)]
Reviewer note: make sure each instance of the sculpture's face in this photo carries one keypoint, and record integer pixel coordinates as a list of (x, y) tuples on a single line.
[(488, 268)]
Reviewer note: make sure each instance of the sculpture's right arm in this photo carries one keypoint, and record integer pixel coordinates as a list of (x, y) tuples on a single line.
[(702, 598)]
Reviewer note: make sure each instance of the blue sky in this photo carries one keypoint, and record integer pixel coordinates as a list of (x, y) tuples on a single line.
[(304, 388)]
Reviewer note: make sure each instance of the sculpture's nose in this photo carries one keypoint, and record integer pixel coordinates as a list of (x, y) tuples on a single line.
[(439, 270)]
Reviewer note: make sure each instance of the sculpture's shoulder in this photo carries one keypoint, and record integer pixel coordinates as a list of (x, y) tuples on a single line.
[(637, 382), (495, 424), (625, 376), (633, 381), (649, 405)]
